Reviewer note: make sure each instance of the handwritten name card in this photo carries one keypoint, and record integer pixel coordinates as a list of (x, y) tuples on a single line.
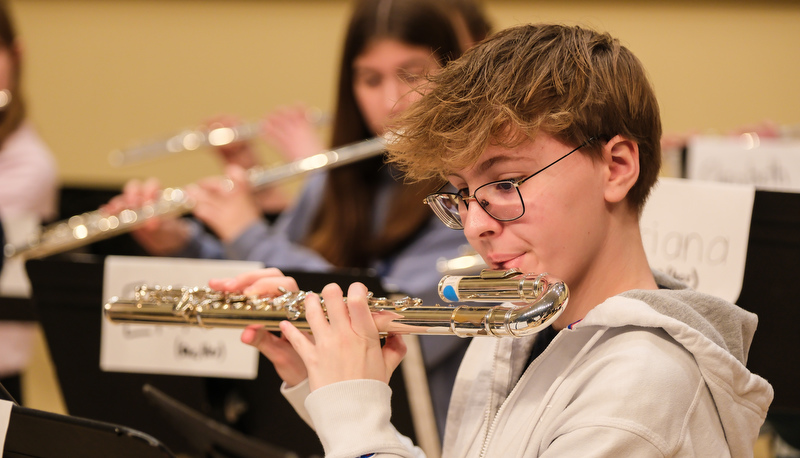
[(698, 231), (768, 163), (166, 349)]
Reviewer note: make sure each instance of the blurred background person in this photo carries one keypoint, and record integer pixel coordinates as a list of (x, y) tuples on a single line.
[(292, 131), (28, 187), (361, 215)]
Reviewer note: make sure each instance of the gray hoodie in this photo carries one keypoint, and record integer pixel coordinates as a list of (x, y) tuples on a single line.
[(647, 373)]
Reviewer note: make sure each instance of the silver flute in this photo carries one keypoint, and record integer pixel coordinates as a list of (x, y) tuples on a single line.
[(193, 139), (522, 304), (185, 140), (90, 227)]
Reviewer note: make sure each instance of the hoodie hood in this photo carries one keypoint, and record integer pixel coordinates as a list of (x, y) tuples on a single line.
[(717, 333)]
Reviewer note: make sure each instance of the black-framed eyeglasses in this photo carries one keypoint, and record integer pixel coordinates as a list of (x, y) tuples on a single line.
[(500, 199)]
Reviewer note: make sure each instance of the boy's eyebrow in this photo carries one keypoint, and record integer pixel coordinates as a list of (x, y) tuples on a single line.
[(489, 163), (482, 167)]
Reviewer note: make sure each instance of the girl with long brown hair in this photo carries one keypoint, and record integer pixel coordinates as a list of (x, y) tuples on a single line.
[(361, 215)]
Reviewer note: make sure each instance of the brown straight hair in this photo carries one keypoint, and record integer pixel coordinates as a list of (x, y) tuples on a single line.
[(342, 230), (14, 113)]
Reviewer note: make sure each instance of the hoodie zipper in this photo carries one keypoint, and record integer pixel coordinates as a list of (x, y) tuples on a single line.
[(488, 410), (525, 373), (586, 346)]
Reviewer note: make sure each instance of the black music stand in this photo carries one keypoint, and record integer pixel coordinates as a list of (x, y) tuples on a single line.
[(37, 434), (770, 291), (67, 294), (17, 309), (211, 438), (66, 291)]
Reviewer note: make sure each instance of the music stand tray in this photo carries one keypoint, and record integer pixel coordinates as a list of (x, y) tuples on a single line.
[(35, 433), (207, 436)]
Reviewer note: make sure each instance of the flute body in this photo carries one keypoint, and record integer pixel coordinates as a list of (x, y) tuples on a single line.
[(90, 227), (185, 140), (537, 300), (193, 139)]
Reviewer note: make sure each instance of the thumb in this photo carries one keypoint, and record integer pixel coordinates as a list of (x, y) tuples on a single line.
[(238, 175), (394, 349)]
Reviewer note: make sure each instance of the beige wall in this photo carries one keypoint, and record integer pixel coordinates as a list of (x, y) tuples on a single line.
[(101, 74)]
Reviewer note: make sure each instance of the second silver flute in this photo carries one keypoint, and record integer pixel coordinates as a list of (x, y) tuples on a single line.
[(86, 228)]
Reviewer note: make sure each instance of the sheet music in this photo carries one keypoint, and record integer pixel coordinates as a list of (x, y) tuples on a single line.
[(165, 349), (13, 279)]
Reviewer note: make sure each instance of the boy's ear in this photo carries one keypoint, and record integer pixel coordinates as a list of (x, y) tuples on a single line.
[(621, 157)]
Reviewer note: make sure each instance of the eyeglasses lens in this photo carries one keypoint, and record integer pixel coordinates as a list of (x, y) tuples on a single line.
[(446, 208), (501, 200)]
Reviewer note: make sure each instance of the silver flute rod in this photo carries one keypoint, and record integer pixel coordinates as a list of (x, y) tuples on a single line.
[(537, 301), (193, 139), (185, 140), (81, 230), (327, 159), (90, 227)]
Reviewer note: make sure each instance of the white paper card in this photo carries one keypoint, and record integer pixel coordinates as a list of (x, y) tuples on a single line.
[(698, 231), (768, 163), (13, 278), (5, 419), (165, 349)]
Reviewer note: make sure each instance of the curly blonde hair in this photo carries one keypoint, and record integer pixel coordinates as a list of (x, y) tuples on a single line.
[(568, 81)]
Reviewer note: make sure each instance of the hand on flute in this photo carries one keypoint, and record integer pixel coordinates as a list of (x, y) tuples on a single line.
[(240, 152), (278, 350), (227, 207), (160, 236), (292, 132), (346, 345)]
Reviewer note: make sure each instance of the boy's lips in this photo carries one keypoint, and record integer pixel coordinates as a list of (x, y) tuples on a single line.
[(504, 261)]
